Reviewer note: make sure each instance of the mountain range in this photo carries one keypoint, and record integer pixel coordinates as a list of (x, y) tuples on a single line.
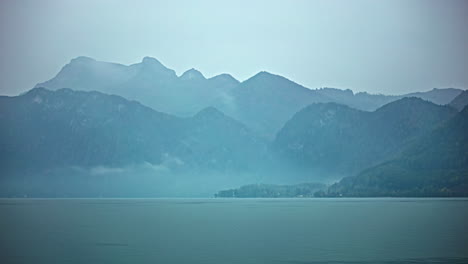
[(91, 128), (49, 131), (107, 129), (264, 102)]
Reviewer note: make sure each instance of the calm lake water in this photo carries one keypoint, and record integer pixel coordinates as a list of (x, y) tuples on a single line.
[(299, 231)]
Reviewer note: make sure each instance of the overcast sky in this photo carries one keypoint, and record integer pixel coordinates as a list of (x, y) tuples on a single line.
[(389, 47)]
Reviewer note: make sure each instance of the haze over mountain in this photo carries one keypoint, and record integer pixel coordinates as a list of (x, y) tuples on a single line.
[(363, 101), (111, 146), (437, 96), (434, 165), (188, 135), (334, 137), (264, 102), (64, 132), (149, 82)]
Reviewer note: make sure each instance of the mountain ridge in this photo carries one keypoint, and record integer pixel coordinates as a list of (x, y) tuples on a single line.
[(264, 102), (434, 165), (337, 137)]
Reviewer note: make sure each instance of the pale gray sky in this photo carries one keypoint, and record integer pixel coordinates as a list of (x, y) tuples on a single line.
[(387, 47)]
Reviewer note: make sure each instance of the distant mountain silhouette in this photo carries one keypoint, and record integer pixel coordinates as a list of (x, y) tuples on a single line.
[(362, 101), (437, 96), (370, 102), (148, 82), (264, 102)]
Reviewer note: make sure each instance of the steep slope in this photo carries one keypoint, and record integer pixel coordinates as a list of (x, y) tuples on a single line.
[(460, 101), (435, 165), (337, 138)]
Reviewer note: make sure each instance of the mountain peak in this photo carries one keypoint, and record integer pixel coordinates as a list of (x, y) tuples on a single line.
[(410, 106), (151, 65), (82, 59), (225, 77), (273, 81), (409, 101), (225, 81), (264, 74), (150, 60), (405, 102), (192, 74), (267, 76)]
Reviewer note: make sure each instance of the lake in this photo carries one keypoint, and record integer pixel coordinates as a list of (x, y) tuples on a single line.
[(295, 231)]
